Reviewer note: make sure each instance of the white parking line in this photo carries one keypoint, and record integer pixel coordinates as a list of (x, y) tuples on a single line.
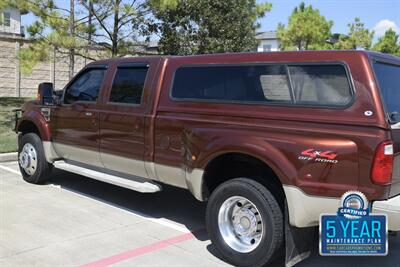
[(10, 170)]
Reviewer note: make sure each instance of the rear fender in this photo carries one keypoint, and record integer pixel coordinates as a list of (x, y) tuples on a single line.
[(201, 147)]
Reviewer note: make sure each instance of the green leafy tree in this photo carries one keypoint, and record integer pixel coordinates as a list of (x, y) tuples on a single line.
[(307, 29), (207, 26), (358, 36), (388, 43)]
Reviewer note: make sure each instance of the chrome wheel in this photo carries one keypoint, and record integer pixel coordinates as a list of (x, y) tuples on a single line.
[(240, 224), (28, 159)]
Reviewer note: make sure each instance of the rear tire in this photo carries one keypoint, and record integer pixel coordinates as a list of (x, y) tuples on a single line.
[(245, 222), (32, 161)]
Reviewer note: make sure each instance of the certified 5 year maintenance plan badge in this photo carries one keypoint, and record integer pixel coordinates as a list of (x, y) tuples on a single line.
[(353, 230)]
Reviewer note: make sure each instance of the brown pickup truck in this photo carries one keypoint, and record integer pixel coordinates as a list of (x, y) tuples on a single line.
[(253, 134)]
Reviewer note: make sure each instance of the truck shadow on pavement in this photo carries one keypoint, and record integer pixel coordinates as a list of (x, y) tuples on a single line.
[(179, 206), (172, 203)]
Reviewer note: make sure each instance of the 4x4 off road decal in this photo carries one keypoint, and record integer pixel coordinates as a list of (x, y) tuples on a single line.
[(318, 155)]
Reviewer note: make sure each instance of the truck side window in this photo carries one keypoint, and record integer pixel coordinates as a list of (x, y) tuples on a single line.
[(320, 84), (233, 83), (128, 85), (86, 87), (314, 85)]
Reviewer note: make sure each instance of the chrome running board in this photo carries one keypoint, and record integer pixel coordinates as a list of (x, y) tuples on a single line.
[(136, 183)]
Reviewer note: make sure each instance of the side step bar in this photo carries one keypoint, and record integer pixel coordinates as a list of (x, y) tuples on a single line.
[(139, 184)]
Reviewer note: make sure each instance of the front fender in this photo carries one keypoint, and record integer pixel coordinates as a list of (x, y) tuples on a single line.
[(36, 118)]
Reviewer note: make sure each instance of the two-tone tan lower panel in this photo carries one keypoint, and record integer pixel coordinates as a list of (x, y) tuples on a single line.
[(305, 210)]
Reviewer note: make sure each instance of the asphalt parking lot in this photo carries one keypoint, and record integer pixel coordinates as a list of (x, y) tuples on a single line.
[(77, 221)]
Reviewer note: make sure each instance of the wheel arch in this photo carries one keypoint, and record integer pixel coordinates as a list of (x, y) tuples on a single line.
[(33, 122), (218, 167), (28, 126)]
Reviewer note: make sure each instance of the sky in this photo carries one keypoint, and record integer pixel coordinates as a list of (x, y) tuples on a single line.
[(378, 15)]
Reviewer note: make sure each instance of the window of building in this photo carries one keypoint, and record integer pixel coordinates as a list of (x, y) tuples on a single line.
[(128, 85), (267, 48), (314, 85), (5, 19)]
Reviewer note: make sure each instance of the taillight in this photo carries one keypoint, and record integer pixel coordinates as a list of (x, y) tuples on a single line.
[(382, 166)]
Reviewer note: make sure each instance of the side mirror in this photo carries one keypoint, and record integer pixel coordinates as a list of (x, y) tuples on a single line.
[(45, 94)]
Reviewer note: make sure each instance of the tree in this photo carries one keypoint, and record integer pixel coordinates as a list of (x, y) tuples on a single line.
[(57, 28), (113, 26), (306, 29), (388, 43), (358, 36), (117, 24), (207, 26)]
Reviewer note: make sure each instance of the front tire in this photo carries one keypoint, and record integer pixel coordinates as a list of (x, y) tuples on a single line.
[(245, 222), (32, 162)]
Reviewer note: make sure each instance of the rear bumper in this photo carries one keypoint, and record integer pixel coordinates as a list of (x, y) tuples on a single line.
[(391, 208)]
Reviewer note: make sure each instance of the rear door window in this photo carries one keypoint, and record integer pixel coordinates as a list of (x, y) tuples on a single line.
[(388, 77), (128, 85)]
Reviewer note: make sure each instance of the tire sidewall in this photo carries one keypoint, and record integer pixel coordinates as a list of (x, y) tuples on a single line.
[(265, 250)]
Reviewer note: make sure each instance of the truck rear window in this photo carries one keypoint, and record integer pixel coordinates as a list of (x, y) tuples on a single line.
[(388, 77), (313, 85)]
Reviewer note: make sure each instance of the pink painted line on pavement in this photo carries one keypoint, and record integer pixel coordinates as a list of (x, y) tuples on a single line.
[(139, 251)]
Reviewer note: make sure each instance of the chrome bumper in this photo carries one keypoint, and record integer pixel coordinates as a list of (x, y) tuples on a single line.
[(391, 208)]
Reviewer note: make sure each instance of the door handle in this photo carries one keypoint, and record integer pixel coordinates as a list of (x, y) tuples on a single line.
[(88, 113)]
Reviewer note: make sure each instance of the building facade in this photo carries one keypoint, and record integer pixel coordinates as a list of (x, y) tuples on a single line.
[(15, 83), (268, 42), (10, 21)]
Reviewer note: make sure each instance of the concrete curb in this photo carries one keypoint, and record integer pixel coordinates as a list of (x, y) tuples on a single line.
[(4, 157)]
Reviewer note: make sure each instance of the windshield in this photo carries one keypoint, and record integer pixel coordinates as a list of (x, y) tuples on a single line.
[(389, 83)]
